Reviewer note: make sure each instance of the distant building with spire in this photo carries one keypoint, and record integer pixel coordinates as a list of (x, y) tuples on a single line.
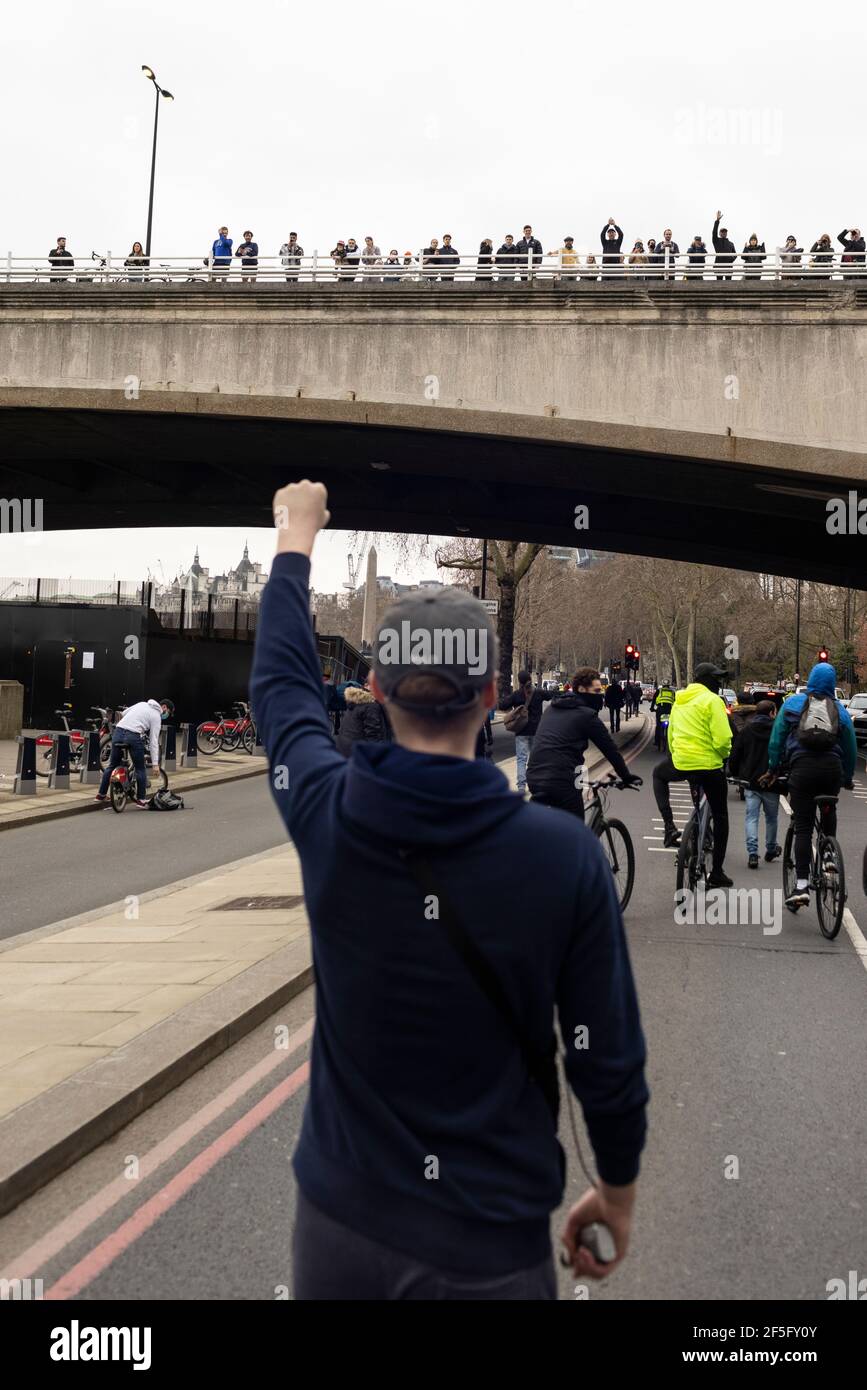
[(246, 580)]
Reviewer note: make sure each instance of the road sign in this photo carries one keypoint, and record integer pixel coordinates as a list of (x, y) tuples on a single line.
[(491, 605)]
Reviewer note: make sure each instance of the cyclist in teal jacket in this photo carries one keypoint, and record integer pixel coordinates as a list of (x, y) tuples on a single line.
[(811, 772)]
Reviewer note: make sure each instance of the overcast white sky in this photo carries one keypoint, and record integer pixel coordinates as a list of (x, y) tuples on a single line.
[(404, 122)]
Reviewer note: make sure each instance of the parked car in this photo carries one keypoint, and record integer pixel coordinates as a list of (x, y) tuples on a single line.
[(858, 710)]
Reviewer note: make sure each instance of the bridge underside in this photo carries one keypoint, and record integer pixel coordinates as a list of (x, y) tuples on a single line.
[(102, 468)]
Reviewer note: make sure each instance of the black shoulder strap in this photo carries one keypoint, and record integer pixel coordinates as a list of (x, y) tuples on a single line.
[(543, 1069)]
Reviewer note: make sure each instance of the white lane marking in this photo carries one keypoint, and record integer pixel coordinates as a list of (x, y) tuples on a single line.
[(652, 849)]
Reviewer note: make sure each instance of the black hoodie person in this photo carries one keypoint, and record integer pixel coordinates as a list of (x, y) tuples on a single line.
[(748, 760), (414, 1073), (753, 257), (568, 725), (612, 239), (725, 249)]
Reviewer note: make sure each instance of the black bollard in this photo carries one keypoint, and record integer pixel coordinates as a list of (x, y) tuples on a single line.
[(25, 775), (58, 778), (91, 771), (169, 761), (189, 756)]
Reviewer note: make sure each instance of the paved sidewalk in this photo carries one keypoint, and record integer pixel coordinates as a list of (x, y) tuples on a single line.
[(73, 995), (47, 803)]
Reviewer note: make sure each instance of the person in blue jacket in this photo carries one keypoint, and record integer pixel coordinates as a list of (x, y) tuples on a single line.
[(812, 772), (428, 1164), (221, 252)]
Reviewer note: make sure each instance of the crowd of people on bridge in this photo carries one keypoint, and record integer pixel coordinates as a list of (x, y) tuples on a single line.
[(440, 260)]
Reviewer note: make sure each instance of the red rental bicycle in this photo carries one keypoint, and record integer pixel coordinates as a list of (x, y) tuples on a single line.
[(227, 735), (77, 740)]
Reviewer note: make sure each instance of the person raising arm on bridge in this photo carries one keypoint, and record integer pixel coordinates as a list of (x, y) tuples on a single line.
[(428, 1164)]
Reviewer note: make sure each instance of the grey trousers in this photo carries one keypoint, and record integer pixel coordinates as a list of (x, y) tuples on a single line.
[(333, 1263)]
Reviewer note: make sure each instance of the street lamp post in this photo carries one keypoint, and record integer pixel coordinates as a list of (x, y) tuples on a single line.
[(158, 92)]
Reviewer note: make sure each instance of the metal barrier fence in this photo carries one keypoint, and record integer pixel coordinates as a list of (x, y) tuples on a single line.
[(419, 266)]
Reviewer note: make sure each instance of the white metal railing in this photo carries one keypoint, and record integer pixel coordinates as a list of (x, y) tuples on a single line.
[(322, 268)]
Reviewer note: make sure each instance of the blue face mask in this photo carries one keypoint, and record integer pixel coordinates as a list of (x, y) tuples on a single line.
[(164, 716)]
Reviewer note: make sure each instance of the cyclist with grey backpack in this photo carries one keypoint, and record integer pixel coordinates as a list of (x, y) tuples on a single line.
[(814, 739)]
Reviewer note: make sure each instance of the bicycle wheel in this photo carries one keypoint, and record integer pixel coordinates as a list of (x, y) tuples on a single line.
[(687, 856), (230, 741), (249, 739), (43, 763), (617, 847), (208, 738), (789, 875), (117, 795), (831, 892), (105, 751)]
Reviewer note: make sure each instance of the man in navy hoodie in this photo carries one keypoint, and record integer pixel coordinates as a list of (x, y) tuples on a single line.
[(428, 1163)]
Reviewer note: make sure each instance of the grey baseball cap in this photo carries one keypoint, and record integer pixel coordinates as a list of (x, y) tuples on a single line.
[(441, 632)]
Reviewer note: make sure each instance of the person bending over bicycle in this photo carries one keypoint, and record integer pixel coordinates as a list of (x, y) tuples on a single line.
[(138, 729), (814, 738), (699, 740), (557, 757)]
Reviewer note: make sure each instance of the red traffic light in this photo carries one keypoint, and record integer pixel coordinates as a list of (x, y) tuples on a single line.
[(629, 649), (823, 654)]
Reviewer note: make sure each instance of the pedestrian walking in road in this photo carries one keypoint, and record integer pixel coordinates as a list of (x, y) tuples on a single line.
[(724, 248), (753, 257), (248, 252), (449, 257), (612, 239), (507, 259), (60, 259), (524, 708), (137, 262), (485, 260), (853, 247), (365, 720), (748, 761), (428, 1165), (221, 254), (290, 257), (822, 255), (529, 250), (614, 704)]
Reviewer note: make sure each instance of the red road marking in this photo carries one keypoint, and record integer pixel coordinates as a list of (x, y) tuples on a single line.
[(107, 1251), (72, 1226)]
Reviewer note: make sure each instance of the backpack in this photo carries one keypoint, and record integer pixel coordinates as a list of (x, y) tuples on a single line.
[(164, 800), (517, 719), (819, 725)]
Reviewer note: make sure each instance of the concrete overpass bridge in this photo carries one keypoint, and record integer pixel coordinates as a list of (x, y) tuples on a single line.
[(698, 420)]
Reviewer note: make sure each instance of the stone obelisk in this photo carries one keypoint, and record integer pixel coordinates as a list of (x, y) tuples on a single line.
[(368, 617)]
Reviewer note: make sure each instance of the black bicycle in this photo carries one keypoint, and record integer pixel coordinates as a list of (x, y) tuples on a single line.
[(613, 836), (695, 851), (827, 871)]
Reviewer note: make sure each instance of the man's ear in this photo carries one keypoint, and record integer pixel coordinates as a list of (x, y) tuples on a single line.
[(376, 689), (489, 694)]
